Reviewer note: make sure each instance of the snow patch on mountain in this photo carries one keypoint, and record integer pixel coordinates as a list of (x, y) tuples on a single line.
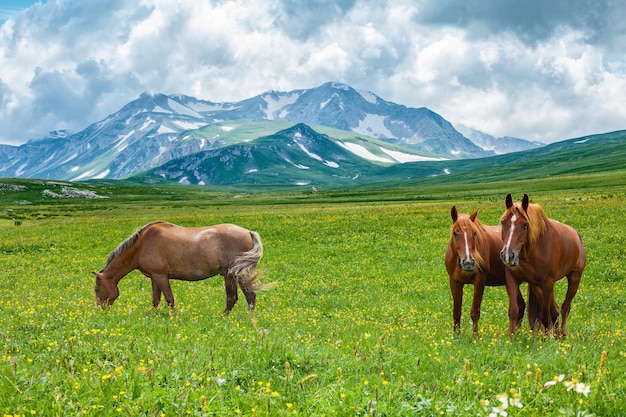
[(275, 104), (84, 175), (162, 151), (403, 157), (325, 103), (340, 86), (50, 158), (181, 109), (69, 158), (373, 125), (103, 174), (368, 96), (149, 121), (305, 150), (184, 125), (363, 152), (313, 155), (206, 106), (165, 129), (159, 109), (20, 170), (123, 138)]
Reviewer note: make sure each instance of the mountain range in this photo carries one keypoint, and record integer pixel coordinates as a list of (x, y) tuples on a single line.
[(356, 130)]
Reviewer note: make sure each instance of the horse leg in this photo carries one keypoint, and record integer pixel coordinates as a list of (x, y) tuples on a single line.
[(479, 290), (521, 309), (573, 281), (554, 312), (512, 290), (250, 299), (231, 293), (457, 301), (547, 312), (156, 294), (164, 285), (534, 309)]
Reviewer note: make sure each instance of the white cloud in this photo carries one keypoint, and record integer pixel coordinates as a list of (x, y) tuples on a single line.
[(66, 64)]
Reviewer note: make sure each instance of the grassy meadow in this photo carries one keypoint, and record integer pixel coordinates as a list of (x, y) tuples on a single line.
[(358, 323)]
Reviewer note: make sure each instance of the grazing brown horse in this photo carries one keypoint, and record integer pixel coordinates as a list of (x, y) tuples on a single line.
[(164, 251), (540, 251), (472, 258)]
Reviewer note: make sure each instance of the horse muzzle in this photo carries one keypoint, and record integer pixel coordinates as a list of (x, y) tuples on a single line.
[(468, 264), (510, 258)]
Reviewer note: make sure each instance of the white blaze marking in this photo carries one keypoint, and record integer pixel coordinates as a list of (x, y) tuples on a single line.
[(508, 242), (467, 254)]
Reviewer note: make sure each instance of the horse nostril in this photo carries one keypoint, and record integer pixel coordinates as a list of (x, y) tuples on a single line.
[(468, 264)]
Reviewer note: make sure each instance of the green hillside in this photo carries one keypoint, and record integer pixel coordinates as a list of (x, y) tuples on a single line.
[(590, 154)]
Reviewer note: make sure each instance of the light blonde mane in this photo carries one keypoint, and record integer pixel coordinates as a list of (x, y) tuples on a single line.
[(480, 245), (128, 242)]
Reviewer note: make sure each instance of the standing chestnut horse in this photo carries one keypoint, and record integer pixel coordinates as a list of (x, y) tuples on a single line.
[(472, 258), (164, 251), (540, 251)]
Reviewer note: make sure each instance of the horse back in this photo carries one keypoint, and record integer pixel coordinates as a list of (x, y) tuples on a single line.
[(192, 252)]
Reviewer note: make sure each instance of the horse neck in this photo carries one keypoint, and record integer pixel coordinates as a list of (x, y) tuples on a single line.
[(121, 264)]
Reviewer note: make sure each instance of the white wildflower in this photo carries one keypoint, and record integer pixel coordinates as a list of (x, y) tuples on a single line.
[(554, 381)]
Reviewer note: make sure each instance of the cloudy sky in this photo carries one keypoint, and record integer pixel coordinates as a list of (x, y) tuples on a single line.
[(535, 69)]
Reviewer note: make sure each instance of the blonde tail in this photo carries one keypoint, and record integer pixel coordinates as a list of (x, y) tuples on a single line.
[(243, 269)]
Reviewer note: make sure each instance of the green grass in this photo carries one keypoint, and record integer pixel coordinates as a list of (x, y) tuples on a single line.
[(359, 322)]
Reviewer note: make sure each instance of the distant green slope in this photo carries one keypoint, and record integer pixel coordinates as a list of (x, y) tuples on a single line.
[(589, 154)]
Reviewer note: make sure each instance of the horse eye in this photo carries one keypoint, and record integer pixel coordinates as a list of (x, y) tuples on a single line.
[(525, 226), (455, 234)]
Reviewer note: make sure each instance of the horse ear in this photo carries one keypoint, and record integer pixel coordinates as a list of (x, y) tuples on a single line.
[(525, 202), (454, 214), (508, 201), (473, 215)]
